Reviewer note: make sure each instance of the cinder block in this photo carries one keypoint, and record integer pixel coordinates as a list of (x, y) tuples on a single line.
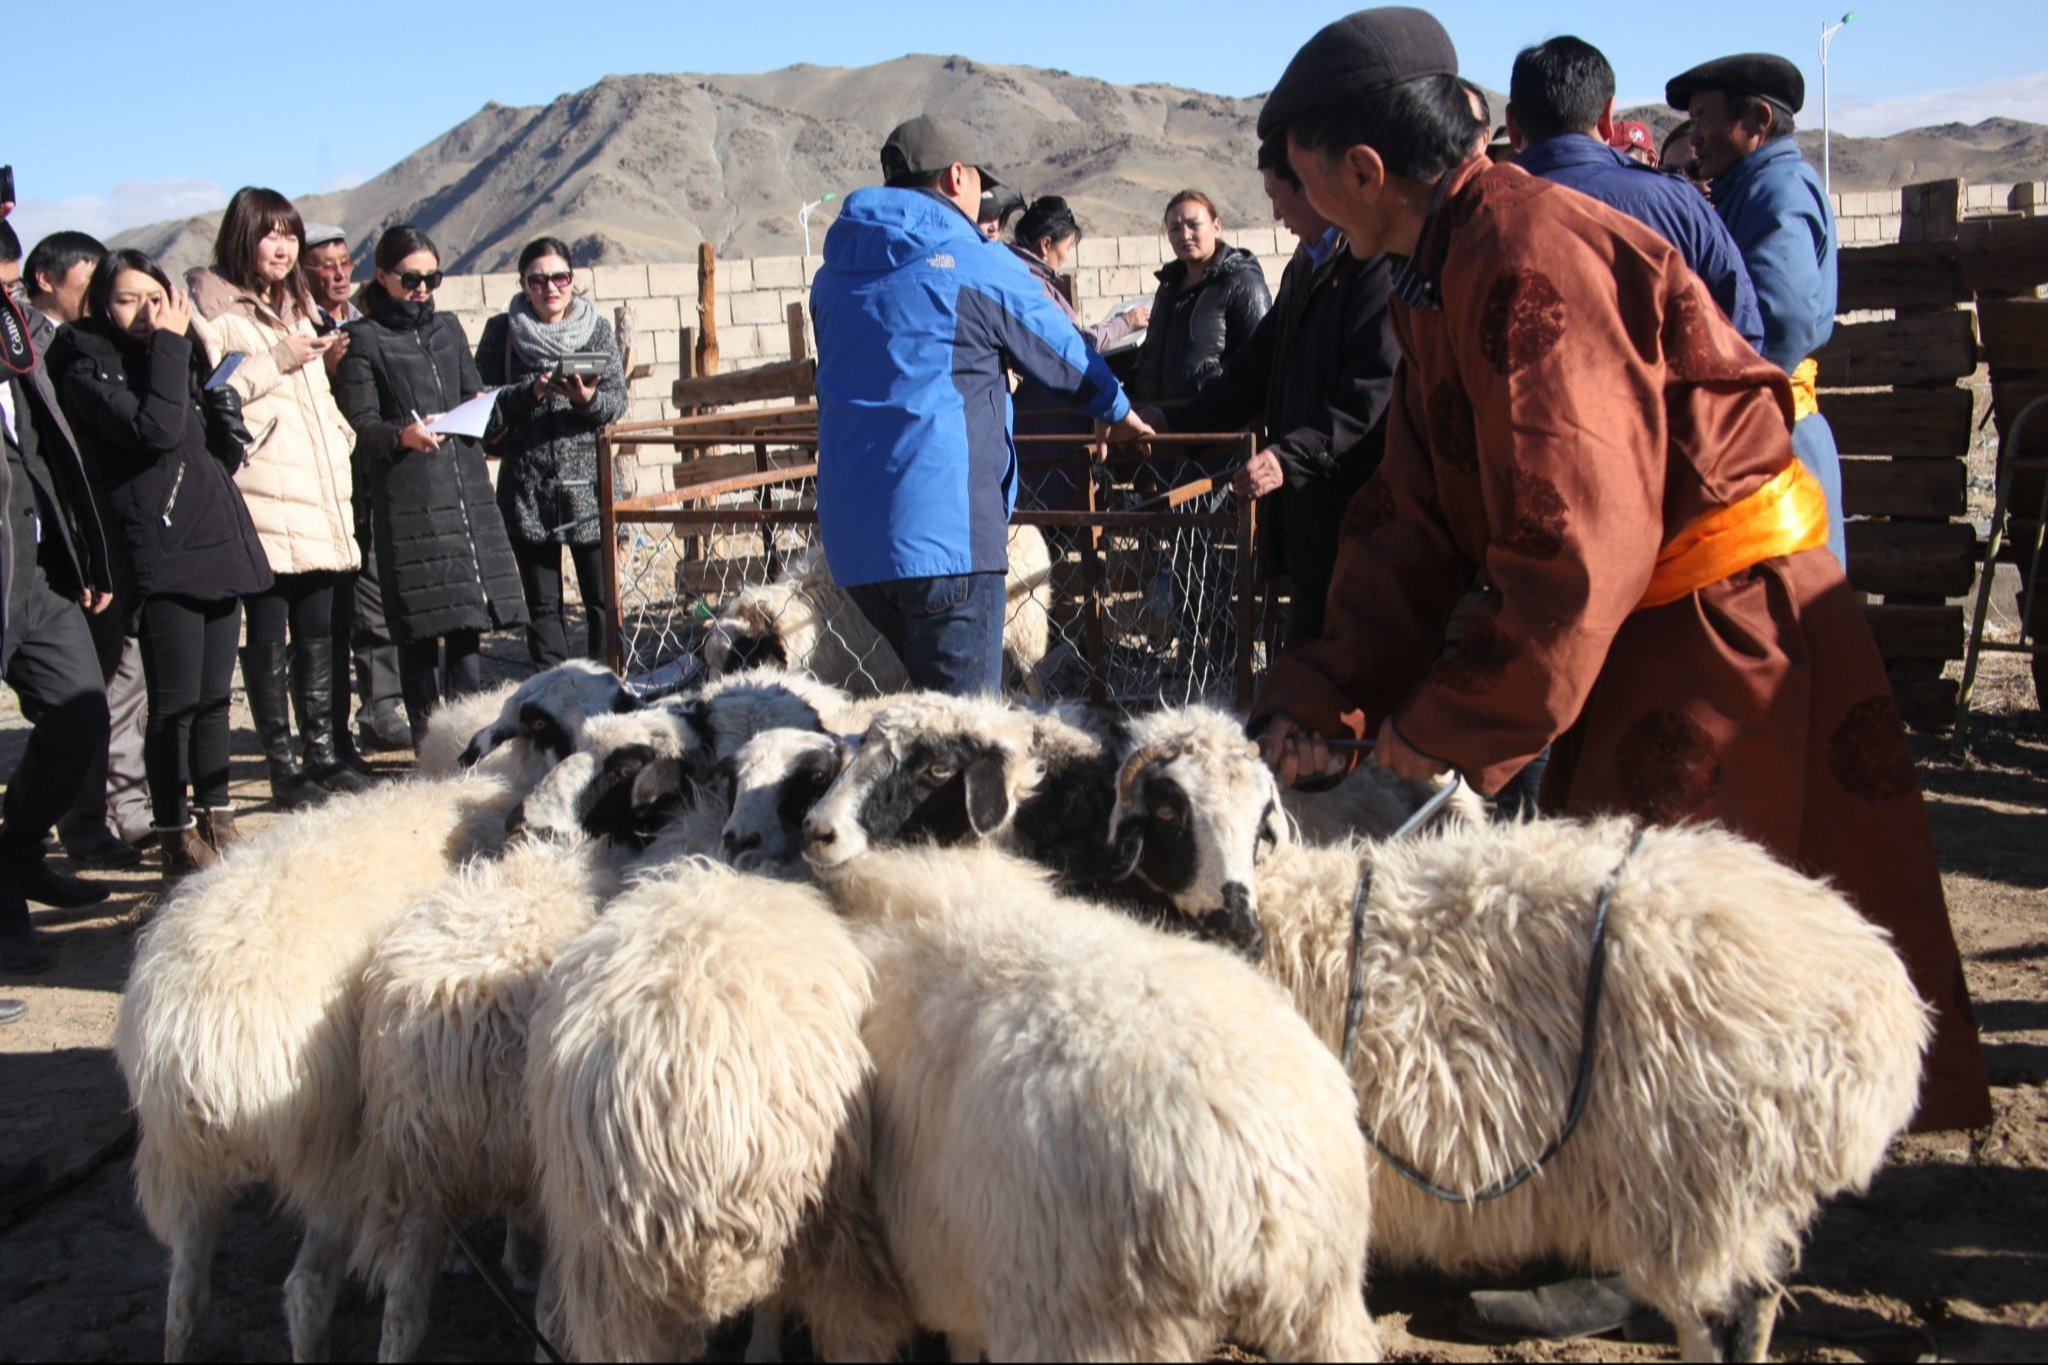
[(1140, 250), (1095, 253), (667, 345), (755, 308), (1260, 241), (1274, 267), (659, 315), (473, 325), (676, 278), (778, 272), (1888, 228), (615, 282), (1123, 282), (499, 291), (736, 275), (460, 293)]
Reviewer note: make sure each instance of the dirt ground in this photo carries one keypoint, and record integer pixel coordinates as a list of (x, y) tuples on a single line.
[(1947, 1256)]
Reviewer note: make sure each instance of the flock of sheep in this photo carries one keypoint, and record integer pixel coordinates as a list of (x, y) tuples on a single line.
[(897, 1012)]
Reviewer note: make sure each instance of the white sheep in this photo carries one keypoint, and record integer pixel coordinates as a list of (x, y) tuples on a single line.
[(1759, 1045), (453, 724), (239, 1025), (697, 1084), (805, 621), (1093, 1141), (447, 997), (777, 777)]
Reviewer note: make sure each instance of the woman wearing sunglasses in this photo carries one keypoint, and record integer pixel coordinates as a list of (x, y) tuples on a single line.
[(447, 568), (545, 435)]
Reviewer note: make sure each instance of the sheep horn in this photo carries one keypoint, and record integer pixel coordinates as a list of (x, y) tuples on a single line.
[(1134, 768)]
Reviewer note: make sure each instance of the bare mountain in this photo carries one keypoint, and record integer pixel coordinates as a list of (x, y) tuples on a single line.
[(643, 168)]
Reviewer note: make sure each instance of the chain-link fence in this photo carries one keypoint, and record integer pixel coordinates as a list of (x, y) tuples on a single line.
[(1131, 578)]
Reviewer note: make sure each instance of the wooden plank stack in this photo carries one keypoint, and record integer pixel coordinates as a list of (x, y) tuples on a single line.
[(1890, 391)]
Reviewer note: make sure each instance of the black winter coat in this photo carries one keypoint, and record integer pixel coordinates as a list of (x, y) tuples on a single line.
[(547, 450), (1193, 331), (445, 561), (1319, 372), (170, 500)]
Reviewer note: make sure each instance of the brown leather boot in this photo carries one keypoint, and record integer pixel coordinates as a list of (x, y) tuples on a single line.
[(217, 829), (184, 852)]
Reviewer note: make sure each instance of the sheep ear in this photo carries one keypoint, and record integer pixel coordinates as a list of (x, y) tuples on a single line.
[(988, 800)]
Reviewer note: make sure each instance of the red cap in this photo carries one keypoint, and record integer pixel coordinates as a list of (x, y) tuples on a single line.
[(1629, 134)]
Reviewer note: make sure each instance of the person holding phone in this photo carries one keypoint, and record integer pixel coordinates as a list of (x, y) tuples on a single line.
[(544, 432), (130, 375), (442, 554), (299, 485)]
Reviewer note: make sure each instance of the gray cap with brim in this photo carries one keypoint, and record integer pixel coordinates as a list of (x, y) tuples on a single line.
[(320, 234), (926, 144)]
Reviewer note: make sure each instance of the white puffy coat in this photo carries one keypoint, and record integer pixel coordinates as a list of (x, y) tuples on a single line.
[(298, 482)]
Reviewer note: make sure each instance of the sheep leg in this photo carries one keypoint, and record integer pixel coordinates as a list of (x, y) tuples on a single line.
[(1339, 1329), (409, 1287), (1746, 1332), (764, 1340), (524, 1254), (1696, 1339), (313, 1287), (197, 1233)]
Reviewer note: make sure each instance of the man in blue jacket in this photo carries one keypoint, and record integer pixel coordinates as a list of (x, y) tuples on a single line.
[(920, 319), (1561, 113), (1779, 215)]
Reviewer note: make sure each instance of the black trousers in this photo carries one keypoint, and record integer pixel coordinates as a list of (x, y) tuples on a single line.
[(56, 673), (188, 658), (299, 603), (376, 658), (428, 681), (540, 576)]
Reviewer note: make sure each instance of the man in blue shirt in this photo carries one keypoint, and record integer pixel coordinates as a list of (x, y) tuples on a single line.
[(1779, 215), (920, 320), (1561, 113)]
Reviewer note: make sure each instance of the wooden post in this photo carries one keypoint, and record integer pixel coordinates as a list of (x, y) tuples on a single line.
[(707, 309), (799, 333), (1092, 575), (624, 330)]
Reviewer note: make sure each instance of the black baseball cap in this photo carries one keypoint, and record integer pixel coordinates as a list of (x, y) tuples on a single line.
[(1360, 54), (926, 144)]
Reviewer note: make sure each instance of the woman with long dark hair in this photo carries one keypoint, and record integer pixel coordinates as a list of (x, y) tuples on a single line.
[(298, 484), (545, 436), (130, 375), (446, 565)]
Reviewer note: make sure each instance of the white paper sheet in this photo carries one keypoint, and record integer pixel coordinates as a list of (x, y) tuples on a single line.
[(465, 419)]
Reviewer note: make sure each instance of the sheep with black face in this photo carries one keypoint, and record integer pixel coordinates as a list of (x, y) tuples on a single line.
[(956, 770), (524, 729), (776, 778)]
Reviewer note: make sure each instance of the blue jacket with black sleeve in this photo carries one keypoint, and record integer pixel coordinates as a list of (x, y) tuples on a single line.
[(919, 318)]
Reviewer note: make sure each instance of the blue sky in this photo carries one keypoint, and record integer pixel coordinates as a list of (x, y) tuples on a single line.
[(306, 97)]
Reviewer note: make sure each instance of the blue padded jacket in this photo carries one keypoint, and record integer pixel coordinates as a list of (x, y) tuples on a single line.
[(919, 318)]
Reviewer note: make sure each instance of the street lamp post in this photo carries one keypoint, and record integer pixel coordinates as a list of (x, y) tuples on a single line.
[(1827, 152), (803, 218)]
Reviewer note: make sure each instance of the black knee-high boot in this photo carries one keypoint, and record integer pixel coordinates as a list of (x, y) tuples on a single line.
[(263, 675), (313, 682)]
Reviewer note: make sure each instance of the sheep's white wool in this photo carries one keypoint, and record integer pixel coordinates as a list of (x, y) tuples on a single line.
[(470, 730), (239, 1025), (696, 1082), (1094, 1141), (447, 999), (739, 706), (1759, 1046), (454, 724)]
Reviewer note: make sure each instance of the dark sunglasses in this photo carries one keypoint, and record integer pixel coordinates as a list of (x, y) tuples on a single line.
[(560, 280), (412, 279)]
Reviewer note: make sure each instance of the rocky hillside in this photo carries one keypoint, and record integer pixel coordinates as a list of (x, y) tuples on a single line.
[(643, 168)]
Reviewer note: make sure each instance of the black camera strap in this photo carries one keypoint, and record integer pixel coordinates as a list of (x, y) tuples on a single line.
[(17, 352)]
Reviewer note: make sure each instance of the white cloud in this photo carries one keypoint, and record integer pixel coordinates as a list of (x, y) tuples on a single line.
[(2020, 97), (132, 203)]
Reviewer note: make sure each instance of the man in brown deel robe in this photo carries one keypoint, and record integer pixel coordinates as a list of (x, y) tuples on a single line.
[(1578, 428)]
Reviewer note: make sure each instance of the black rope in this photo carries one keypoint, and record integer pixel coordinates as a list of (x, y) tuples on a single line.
[(503, 1295), (1589, 1030)]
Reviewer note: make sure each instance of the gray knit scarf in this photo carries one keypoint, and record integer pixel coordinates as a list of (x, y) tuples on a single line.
[(536, 345)]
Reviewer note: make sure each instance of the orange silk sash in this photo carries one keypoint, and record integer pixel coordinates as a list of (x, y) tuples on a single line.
[(1805, 399), (1786, 515)]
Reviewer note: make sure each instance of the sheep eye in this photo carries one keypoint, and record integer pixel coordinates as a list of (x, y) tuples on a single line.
[(940, 772), (1170, 814)]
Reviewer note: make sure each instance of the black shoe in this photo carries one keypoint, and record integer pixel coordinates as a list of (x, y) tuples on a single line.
[(1551, 1312), (313, 686), (110, 854), (23, 954), (43, 884), (263, 677), (12, 1012), (381, 729)]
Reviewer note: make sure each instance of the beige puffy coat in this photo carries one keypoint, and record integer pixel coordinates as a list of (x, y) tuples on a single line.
[(298, 482)]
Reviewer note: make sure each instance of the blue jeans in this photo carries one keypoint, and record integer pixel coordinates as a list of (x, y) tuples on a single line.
[(947, 631)]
